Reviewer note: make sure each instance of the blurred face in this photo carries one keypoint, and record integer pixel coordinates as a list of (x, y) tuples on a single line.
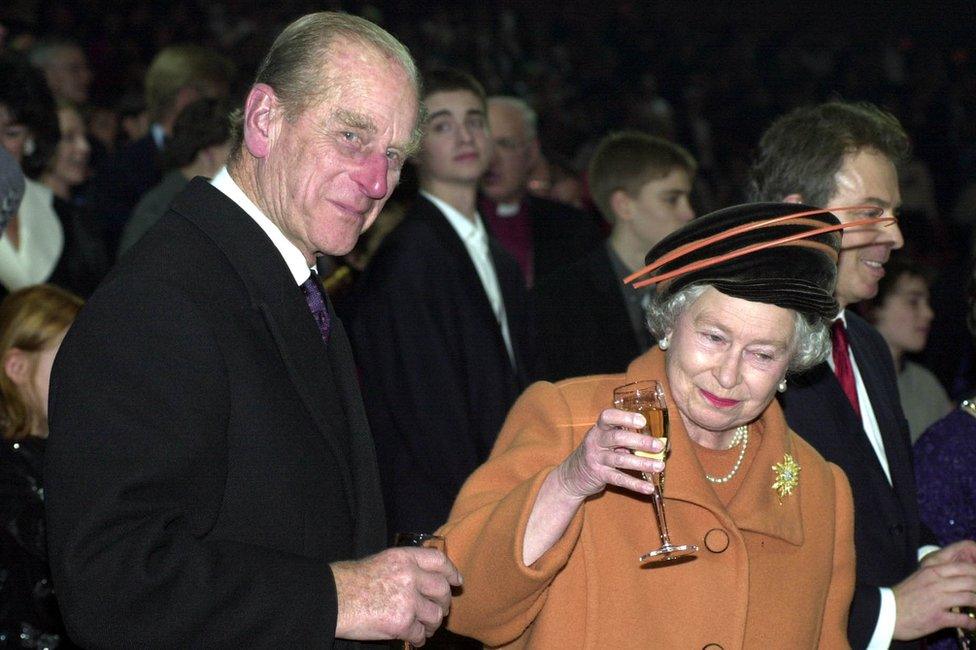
[(69, 76), (327, 172), (12, 136), (456, 147), (71, 157), (726, 358), (865, 178), (515, 155), (905, 316), (661, 207)]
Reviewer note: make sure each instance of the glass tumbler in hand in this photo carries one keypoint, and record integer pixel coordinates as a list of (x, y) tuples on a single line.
[(647, 398), (426, 540)]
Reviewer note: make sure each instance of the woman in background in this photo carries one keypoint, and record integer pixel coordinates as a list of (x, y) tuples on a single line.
[(33, 321), (901, 313)]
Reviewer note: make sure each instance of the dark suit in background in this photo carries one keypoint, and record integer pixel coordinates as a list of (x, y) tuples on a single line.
[(208, 456), (437, 378), (560, 233), (582, 321), (887, 532)]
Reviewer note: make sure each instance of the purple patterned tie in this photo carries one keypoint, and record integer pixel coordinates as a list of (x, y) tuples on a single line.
[(316, 304)]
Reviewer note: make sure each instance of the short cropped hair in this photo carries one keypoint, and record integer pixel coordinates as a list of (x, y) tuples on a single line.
[(31, 319), (529, 117), (294, 66), (47, 50), (627, 161), (802, 151), (180, 66), (204, 123), (444, 80)]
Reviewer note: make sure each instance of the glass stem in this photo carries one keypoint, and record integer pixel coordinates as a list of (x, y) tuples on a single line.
[(658, 500)]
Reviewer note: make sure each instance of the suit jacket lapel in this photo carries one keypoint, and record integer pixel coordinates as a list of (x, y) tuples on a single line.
[(282, 308)]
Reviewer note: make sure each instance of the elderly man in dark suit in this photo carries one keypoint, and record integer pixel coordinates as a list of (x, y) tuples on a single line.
[(840, 154), (211, 480), (642, 186), (440, 320)]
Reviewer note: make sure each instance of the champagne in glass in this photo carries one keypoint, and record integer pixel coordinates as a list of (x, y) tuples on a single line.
[(426, 540), (647, 398)]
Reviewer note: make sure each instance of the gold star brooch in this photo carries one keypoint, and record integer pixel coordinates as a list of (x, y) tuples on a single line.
[(787, 476)]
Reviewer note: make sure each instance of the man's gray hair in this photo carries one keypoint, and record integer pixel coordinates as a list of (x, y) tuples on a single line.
[(529, 117), (296, 65), (811, 340)]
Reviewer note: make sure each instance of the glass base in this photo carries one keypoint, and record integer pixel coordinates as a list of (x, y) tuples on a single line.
[(668, 552)]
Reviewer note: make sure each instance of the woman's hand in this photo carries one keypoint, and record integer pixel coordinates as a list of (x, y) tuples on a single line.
[(596, 463), (605, 451)]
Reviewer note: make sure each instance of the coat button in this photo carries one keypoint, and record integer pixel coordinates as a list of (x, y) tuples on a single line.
[(716, 540), (713, 646)]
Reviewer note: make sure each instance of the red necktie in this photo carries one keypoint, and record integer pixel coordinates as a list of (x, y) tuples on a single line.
[(842, 363)]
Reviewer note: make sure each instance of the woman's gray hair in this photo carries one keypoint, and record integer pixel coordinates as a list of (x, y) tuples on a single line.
[(811, 341)]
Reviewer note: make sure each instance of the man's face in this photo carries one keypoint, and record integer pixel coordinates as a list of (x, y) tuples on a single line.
[(866, 177), (659, 208), (456, 147), (69, 76), (328, 171), (515, 154)]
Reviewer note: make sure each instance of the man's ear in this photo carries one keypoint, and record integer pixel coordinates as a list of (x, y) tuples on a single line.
[(622, 205), (793, 198), (17, 366), (261, 113)]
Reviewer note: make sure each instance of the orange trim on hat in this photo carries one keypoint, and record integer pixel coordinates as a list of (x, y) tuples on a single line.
[(795, 218)]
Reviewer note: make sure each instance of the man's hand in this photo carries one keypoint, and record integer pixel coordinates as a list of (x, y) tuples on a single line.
[(400, 593), (924, 600)]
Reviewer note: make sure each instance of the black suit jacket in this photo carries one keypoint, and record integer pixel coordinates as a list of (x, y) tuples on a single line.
[(561, 234), (582, 321), (887, 532), (208, 455), (437, 378)]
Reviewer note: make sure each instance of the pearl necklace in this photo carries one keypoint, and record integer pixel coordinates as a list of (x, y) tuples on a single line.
[(741, 436)]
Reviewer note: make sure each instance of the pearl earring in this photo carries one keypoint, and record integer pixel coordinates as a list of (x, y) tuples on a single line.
[(782, 386), (664, 343)]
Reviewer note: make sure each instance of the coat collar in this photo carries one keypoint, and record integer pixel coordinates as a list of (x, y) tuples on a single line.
[(756, 507)]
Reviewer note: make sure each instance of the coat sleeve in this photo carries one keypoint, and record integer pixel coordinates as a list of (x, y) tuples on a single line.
[(841, 590), (136, 464), (485, 531)]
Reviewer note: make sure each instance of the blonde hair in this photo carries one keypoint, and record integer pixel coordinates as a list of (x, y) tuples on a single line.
[(31, 319), (179, 66)]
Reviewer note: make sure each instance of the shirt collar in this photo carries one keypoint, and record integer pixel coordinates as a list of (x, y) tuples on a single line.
[(467, 230), (158, 135), (842, 317), (289, 252)]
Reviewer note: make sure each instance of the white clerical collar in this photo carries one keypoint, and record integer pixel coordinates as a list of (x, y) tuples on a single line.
[(466, 229), (289, 252), (508, 209)]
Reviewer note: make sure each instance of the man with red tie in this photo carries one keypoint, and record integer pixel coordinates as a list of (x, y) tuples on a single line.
[(841, 154)]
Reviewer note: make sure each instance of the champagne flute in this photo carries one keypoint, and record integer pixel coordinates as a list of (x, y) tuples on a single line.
[(647, 398), (426, 540)]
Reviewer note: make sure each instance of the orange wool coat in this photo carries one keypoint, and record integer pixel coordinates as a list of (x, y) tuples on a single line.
[(770, 572)]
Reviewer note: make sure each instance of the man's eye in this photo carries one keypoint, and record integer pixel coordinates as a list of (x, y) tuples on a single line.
[(349, 136)]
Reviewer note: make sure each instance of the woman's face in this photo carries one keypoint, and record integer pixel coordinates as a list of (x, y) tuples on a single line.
[(71, 157), (13, 136), (905, 316), (726, 358)]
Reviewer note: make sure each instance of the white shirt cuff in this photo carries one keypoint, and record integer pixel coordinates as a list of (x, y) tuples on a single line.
[(884, 631), (925, 550)]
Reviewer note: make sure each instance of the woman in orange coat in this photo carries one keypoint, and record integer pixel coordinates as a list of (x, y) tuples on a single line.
[(548, 532)]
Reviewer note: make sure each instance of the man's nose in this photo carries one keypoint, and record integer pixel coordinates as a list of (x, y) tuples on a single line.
[(372, 174)]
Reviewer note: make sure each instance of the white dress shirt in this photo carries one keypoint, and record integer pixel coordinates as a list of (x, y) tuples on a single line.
[(289, 252), (474, 235), (40, 243)]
